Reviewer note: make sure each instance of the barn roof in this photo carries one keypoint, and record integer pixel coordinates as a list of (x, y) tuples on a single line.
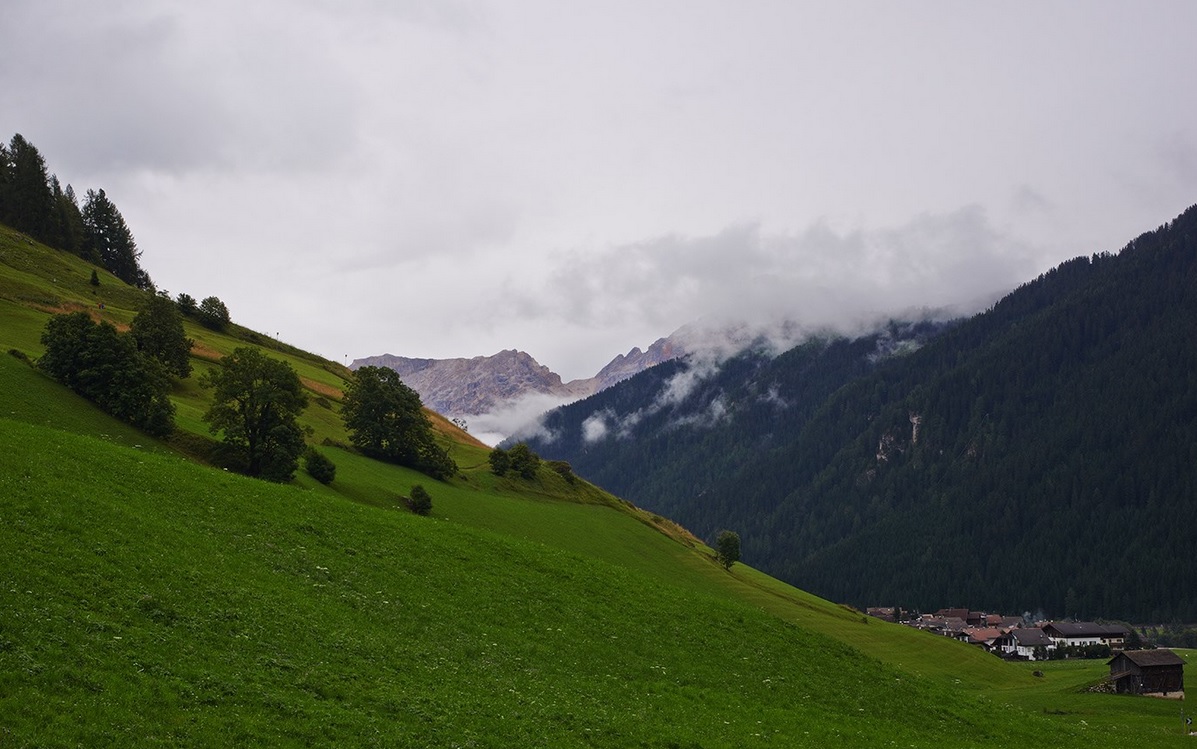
[(1142, 658)]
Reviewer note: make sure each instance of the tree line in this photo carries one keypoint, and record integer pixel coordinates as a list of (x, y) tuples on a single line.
[(33, 201)]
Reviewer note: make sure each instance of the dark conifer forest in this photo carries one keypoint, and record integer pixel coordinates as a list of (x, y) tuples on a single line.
[(33, 201), (1041, 455)]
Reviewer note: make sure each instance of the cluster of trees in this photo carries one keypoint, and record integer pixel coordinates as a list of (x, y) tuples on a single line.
[(211, 312), (126, 374), (257, 402), (386, 420), (520, 460), (1056, 429), (1173, 635), (257, 399), (34, 201)]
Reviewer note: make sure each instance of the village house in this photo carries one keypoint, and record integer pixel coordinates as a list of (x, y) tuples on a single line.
[(1010, 637), (985, 637), (1083, 634), (1154, 672), (1029, 643), (885, 613)]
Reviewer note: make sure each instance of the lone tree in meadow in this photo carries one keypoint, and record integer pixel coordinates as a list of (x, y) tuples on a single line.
[(158, 330), (386, 420), (256, 404), (727, 548)]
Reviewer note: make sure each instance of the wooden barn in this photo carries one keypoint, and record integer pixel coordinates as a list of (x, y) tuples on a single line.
[(1148, 672)]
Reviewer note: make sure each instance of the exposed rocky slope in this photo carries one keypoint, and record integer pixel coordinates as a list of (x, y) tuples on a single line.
[(479, 385)]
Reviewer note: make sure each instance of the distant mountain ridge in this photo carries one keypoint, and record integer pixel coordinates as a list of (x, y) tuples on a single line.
[(481, 384)]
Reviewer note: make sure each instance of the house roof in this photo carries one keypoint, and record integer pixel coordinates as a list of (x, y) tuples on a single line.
[(1085, 629), (1030, 637), (982, 634), (1142, 658)]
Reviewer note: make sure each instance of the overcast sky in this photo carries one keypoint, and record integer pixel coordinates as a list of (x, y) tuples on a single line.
[(442, 179)]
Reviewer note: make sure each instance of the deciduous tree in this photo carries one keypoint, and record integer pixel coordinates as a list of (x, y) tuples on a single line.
[(727, 548), (256, 404), (523, 461), (213, 313), (158, 331), (386, 420), (499, 462), (186, 304)]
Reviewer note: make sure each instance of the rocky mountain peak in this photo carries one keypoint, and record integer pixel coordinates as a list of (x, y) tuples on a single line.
[(483, 384)]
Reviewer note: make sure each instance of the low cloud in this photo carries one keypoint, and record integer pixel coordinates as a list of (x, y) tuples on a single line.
[(521, 418), (745, 282), (594, 428), (715, 412)]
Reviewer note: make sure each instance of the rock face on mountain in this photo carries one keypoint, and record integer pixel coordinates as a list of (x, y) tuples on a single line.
[(470, 386), (479, 385), (635, 361)]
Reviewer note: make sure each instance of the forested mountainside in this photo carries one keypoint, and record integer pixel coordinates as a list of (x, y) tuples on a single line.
[(1039, 455)]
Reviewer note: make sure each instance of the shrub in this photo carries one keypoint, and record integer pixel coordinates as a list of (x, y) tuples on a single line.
[(319, 466), (564, 469), (421, 502)]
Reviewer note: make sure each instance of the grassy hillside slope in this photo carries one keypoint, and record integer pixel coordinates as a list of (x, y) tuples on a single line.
[(149, 600)]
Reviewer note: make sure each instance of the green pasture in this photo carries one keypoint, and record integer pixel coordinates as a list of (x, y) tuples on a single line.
[(146, 599)]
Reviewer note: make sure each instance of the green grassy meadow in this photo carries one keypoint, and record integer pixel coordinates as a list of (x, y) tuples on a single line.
[(149, 600)]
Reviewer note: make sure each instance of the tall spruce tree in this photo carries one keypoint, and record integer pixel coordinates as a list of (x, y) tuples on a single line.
[(5, 183), (28, 202), (66, 220), (107, 236)]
